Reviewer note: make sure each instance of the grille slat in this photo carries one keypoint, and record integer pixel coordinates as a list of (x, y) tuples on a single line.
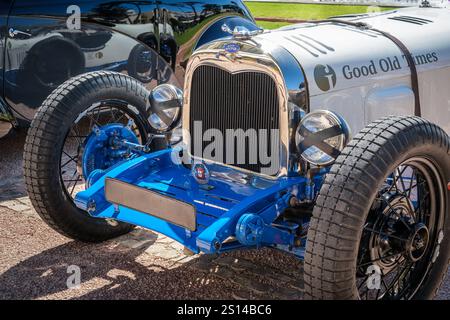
[(221, 100)]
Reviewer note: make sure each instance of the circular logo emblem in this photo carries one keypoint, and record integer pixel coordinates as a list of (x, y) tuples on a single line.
[(200, 173), (232, 47), (325, 77)]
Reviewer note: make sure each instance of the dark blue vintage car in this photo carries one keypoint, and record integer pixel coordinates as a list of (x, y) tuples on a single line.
[(45, 42)]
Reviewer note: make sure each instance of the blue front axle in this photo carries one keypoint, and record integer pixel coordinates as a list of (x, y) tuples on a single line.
[(233, 210)]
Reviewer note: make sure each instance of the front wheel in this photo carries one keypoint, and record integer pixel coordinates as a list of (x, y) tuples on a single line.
[(63, 147), (381, 224)]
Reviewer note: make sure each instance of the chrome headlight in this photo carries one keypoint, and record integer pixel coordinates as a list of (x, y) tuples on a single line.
[(321, 136), (166, 101)]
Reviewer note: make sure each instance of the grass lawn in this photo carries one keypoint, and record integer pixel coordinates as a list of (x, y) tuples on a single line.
[(271, 25), (302, 11)]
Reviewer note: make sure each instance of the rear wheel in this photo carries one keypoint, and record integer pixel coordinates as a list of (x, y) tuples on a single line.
[(381, 223), (63, 147)]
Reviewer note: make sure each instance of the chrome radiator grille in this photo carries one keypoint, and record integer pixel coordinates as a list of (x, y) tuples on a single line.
[(246, 100)]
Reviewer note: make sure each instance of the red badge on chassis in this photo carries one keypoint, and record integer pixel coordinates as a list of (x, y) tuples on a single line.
[(200, 173)]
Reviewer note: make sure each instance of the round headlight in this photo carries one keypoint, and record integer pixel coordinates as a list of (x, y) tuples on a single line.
[(166, 101), (321, 136)]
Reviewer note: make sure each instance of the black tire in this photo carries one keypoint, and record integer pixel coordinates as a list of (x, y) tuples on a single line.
[(347, 196), (45, 141)]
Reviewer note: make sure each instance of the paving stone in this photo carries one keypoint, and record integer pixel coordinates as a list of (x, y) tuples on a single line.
[(168, 254), (144, 235), (25, 200), (30, 212), (128, 243), (177, 246), (15, 205), (155, 248), (165, 240), (143, 244), (8, 203), (163, 251)]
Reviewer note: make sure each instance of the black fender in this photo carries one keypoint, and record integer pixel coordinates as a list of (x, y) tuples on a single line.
[(114, 36), (210, 31), (95, 47), (215, 32)]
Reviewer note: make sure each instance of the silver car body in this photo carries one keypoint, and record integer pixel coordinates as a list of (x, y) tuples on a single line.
[(354, 70), (372, 77)]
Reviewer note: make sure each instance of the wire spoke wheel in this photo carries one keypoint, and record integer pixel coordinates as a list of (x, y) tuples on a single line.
[(380, 224), (98, 115), (77, 132), (395, 246)]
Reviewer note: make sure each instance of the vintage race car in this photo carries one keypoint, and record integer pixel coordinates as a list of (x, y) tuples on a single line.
[(327, 140)]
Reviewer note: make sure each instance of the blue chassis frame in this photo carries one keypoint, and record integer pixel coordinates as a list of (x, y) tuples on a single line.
[(227, 209)]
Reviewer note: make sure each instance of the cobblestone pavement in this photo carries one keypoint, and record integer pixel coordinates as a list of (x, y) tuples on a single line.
[(140, 265)]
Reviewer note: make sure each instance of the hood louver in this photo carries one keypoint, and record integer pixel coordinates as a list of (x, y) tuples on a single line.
[(413, 20), (310, 45)]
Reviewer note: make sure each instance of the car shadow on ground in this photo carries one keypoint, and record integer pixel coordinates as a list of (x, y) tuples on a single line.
[(107, 271), (11, 172)]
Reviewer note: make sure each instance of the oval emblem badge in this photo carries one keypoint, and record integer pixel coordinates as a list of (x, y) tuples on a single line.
[(232, 47), (200, 173)]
